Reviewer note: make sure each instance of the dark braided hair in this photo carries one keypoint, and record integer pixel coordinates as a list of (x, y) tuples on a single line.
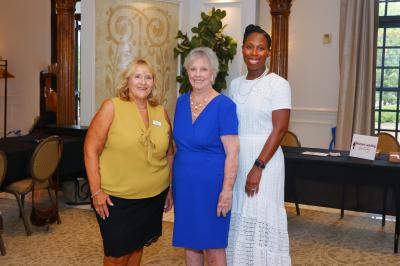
[(255, 28)]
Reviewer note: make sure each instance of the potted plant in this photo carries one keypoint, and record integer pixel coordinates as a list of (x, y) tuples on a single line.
[(208, 33)]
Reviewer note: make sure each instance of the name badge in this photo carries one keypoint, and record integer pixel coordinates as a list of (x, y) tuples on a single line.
[(157, 123)]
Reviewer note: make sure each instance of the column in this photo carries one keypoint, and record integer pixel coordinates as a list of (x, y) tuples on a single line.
[(66, 62), (280, 11)]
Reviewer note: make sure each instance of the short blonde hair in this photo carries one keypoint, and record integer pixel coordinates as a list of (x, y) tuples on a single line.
[(203, 52), (122, 88)]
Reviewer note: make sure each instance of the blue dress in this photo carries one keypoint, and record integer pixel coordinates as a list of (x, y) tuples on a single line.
[(198, 172)]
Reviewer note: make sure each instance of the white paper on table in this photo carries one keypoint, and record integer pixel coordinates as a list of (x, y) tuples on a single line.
[(315, 153), (363, 146)]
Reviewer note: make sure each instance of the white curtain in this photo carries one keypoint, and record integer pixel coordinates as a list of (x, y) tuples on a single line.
[(357, 53)]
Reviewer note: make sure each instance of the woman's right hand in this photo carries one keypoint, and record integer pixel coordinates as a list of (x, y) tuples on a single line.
[(253, 181), (169, 202), (224, 202), (100, 202)]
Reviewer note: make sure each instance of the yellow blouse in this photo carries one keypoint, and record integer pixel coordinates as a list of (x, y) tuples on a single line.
[(133, 163)]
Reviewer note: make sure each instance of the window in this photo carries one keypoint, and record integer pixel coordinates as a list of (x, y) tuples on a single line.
[(387, 94)]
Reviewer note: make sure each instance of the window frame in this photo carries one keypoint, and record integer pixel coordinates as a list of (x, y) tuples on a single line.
[(386, 22)]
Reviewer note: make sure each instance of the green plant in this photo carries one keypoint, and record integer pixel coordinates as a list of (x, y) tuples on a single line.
[(387, 117), (208, 33)]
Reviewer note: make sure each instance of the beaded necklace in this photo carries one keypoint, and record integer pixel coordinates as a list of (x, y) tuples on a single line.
[(197, 106), (240, 95)]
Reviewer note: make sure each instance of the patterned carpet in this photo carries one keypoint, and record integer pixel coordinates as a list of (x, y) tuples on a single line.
[(316, 238)]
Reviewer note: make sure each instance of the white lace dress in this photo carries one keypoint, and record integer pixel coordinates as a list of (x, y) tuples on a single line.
[(258, 231)]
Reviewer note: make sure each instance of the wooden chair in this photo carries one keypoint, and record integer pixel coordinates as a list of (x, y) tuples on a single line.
[(291, 140), (43, 164), (386, 144), (3, 170)]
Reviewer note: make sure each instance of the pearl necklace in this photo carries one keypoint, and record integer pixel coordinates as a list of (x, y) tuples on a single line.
[(197, 106), (246, 95)]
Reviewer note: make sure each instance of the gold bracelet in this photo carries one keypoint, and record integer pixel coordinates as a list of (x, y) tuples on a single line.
[(96, 193)]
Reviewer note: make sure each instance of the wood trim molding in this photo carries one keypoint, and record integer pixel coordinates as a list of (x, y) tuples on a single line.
[(280, 11), (66, 62)]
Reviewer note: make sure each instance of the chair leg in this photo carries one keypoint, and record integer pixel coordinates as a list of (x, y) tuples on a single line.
[(385, 189), (55, 201), (23, 205), (297, 209), (24, 218), (2, 246), (56, 198), (343, 198), (58, 217)]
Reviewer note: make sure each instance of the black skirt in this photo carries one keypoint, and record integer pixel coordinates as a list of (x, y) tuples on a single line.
[(132, 224)]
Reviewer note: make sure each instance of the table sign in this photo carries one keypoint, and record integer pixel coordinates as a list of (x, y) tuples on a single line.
[(363, 147)]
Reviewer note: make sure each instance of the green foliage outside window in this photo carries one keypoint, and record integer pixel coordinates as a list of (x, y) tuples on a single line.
[(387, 117), (392, 10)]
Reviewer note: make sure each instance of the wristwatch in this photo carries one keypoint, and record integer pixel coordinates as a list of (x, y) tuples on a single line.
[(258, 163)]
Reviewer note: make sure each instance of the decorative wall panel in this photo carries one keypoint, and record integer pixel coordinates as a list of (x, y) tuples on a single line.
[(127, 30)]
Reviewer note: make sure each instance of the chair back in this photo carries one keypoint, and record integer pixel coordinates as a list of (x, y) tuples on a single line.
[(387, 143), (290, 140), (45, 159), (3, 167)]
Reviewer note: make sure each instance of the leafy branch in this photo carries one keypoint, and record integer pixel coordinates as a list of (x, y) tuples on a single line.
[(208, 33)]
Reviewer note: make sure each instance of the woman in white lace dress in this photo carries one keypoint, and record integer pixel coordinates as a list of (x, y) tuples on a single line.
[(258, 231)]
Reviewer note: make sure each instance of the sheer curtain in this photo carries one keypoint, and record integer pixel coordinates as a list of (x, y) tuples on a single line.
[(357, 50)]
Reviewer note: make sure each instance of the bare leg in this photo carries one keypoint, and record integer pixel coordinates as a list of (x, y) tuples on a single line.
[(132, 259), (116, 261), (194, 257), (216, 257), (135, 258)]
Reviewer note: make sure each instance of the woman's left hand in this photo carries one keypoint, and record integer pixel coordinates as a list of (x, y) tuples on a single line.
[(253, 181), (224, 203), (169, 202)]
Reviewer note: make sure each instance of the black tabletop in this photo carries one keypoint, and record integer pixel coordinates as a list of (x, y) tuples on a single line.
[(322, 180), (19, 151)]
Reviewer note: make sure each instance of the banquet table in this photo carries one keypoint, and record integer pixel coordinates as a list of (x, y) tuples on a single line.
[(342, 181)]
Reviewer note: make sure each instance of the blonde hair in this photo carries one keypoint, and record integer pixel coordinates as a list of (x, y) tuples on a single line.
[(123, 89)]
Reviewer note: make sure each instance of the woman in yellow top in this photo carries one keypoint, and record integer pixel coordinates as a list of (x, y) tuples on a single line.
[(128, 157)]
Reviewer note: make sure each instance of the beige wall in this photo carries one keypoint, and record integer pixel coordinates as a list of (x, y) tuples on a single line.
[(25, 43), (127, 30), (313, 67)]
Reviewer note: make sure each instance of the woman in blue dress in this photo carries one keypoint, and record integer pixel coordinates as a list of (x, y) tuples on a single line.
[(205, 164)]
